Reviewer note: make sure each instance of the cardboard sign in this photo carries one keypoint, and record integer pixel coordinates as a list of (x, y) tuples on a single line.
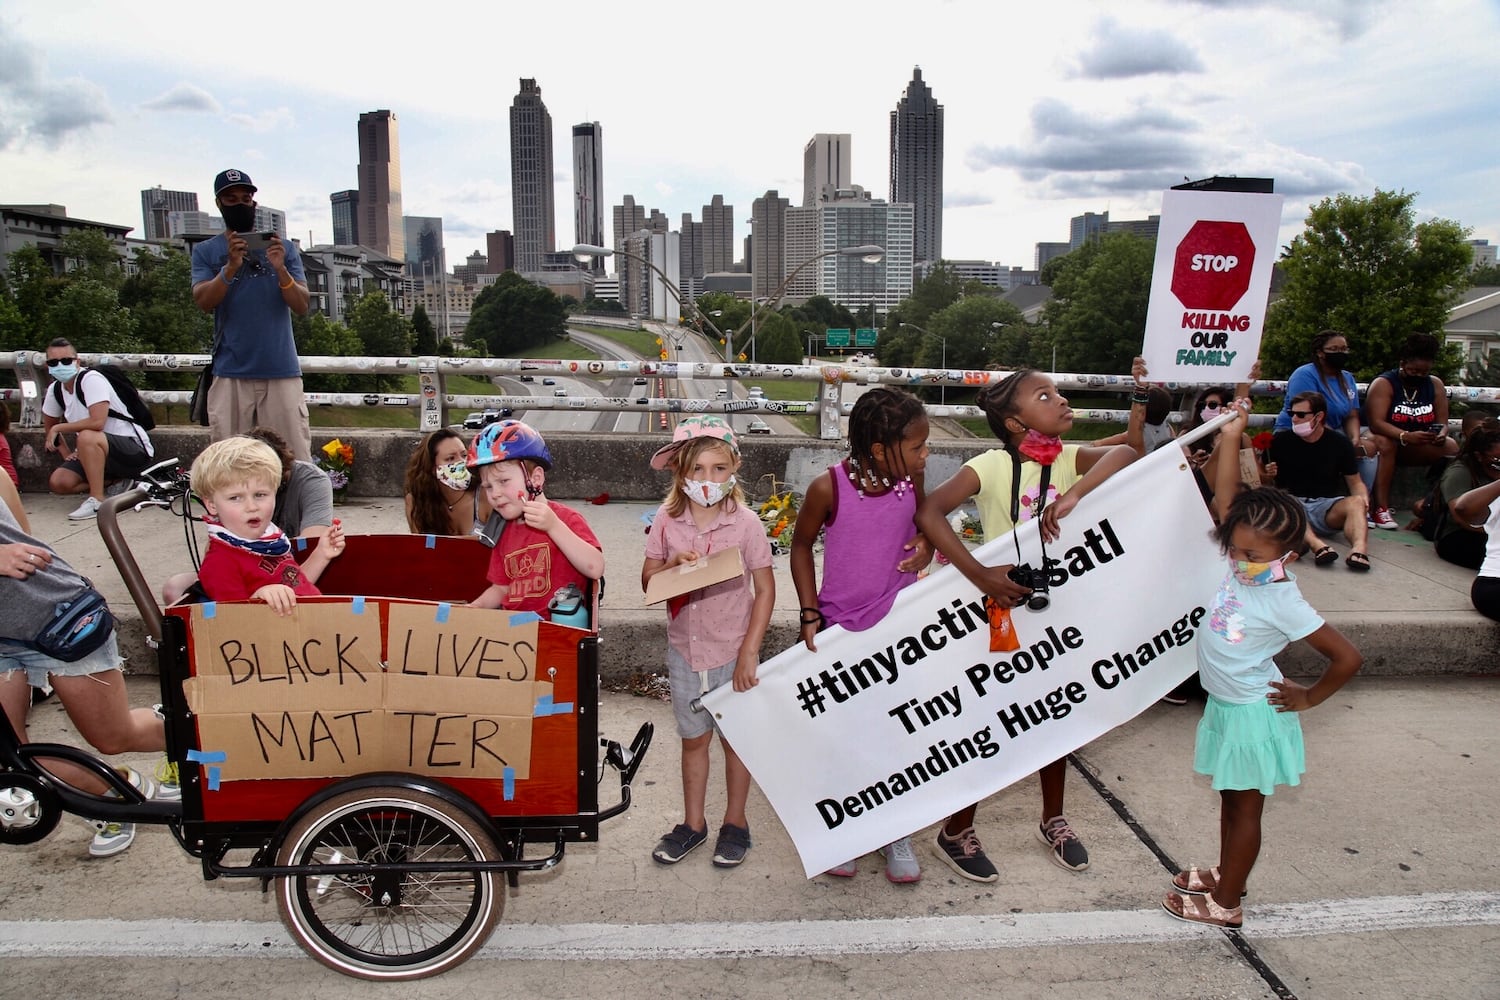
[(684, 578), (1210, 285)]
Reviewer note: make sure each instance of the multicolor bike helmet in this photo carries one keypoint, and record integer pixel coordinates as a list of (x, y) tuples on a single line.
[(508, 441)]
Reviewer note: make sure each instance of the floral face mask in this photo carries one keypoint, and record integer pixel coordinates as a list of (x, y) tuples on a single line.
[(705, 493), (455, 475)]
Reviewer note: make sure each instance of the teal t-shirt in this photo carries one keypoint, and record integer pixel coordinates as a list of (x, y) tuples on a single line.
[(1245, 627)]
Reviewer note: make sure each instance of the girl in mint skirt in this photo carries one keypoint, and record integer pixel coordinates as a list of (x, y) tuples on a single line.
[(1250, 739)]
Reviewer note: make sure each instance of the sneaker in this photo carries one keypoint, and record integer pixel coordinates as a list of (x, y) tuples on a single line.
[(678, 844), (119, 486), (848, 869), (110, 837), (1066, 850), (732, 846), (1380, 517), (1173, 698), (964, 855), (901, 862), (168, 786), (88, 509)]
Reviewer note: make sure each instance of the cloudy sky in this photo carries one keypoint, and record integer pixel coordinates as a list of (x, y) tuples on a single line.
[(1051, 109)]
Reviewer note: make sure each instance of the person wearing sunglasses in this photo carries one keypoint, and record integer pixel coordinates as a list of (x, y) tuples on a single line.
[(252, 282), (1309, 460), (107, 447)]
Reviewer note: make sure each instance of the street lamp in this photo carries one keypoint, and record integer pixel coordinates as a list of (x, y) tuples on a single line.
[(868, 252), (942, 389), (586, 252)]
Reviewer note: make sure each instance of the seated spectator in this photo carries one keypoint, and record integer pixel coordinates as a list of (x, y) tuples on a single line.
[(107, 445), (1307, 462), (33, 578), (1423, 507), (1477, 465), (249, 559), (1476, 508), (1328, 374), (5, 460), (1406, 409), (442, 494), (1202, 453)]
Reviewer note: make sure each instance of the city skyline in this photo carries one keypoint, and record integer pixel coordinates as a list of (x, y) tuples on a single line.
[(1069, 110)]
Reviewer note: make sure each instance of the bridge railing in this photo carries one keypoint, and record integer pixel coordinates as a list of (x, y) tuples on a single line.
[(434, 404)]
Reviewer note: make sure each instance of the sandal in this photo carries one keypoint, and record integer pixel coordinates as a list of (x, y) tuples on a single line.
[(1203, 910), (1325, 556), (1199, 881), (1358, 561)]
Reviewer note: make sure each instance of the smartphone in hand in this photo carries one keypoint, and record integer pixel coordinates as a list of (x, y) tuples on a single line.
[(257, 241)]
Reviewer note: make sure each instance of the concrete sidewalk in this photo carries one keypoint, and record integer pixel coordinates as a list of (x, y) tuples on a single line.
[(1410, 614)]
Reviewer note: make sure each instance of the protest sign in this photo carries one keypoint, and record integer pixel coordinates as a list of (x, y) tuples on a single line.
[(1210, 285), (882, 732)]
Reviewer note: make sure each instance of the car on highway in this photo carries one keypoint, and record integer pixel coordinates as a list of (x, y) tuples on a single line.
[(756, 392), (757, 426), (474, 422), (528, 378), (722, 394), (640, 381), (559, 392), (549, 381), (479, 421)]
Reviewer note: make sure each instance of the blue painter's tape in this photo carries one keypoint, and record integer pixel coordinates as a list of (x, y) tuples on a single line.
[(359, 605), (301, 543), (442, 612), (213, 779), (432, 541), (524, 618), (207, 756), (510, 784), (545, 707), (210, 608)]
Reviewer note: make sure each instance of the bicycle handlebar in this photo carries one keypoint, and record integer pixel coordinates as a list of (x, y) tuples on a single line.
[(159, 485)]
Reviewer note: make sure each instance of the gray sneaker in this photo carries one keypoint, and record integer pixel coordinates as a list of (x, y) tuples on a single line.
[(88, 509), (964, 855), (901, 862)]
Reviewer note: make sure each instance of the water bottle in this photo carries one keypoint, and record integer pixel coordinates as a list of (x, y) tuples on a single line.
[(567, 607)]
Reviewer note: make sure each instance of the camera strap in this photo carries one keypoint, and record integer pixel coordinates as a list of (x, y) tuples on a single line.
[(1015, 504)]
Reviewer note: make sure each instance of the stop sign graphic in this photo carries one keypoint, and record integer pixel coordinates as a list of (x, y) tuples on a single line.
[(1212, 266)]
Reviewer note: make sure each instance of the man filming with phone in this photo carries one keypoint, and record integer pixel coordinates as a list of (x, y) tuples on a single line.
[(252, 282)]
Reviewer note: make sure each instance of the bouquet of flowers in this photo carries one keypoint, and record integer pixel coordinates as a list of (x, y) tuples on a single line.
[(338, 462), (778, 514)]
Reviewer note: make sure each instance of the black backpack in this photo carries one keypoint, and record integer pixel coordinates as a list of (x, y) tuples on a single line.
[(139, 412)]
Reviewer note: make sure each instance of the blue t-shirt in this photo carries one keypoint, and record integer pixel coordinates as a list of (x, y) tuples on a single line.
[(253, 325), (1245, 627), (1343, 398)]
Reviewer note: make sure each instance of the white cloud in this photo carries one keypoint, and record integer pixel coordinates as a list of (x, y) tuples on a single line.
[(184, 97)]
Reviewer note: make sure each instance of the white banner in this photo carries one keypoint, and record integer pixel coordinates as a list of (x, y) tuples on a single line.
[(1211, 285), (882, 732)]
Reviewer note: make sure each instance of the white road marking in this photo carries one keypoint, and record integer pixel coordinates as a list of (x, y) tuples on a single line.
[(769, 939)]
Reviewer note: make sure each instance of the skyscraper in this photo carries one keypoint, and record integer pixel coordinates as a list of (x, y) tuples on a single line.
[(424, 246), (531, 197), (768, 216), (156, 203), (380, 225), (917, 164), (825, 166), (588, 188), (501, 247), (345, 217), (690, 257), (718, 236)]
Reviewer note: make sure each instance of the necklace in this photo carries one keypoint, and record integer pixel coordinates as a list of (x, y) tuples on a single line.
[(859, 476)]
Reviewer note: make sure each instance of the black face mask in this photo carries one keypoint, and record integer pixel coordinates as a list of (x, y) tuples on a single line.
[(240, 218), (1415, 381), (1337, 360)]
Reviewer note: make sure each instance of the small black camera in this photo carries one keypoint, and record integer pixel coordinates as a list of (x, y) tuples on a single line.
[(1028, 576)]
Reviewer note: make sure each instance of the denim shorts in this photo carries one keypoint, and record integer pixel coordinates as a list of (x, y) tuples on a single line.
[(39, 666), (1317, 514), (689, 684)]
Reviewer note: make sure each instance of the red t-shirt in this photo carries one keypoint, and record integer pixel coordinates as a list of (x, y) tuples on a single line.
[(232, 574), (527, 561)]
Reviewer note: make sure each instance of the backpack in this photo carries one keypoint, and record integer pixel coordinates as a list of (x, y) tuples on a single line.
[(139, 413)]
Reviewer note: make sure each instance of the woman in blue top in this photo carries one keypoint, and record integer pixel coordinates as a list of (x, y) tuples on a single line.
[(1328, 375)]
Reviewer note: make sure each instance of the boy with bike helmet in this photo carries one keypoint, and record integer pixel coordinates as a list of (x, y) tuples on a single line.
[(545, 545)]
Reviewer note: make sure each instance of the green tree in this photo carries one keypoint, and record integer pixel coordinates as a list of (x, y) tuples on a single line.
[(318, 336), (974, 340), (934, 293), (160, 297), (88, 313), (381, 332), (1367, 267), (777, 341), (90, 254), (34, 287), (15, 332), (1096, 318), (513, 315), (424, 334), (1485, 277)]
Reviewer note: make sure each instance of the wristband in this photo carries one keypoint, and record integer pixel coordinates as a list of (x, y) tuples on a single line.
[(816, 619), (290, 281), (1139, 398), (1402, 439), (225, 278)]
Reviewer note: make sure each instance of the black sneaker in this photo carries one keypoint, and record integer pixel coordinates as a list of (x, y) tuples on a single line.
[(732, 846), (964, 855), (1064, 847), (678, 844)]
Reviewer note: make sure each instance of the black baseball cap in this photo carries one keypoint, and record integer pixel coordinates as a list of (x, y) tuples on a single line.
[(232, 178)]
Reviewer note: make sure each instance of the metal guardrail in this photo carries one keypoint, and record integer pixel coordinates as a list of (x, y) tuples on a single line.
[(434, 403)]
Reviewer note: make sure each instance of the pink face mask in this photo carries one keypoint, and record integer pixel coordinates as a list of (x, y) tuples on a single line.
[(1302, 428)]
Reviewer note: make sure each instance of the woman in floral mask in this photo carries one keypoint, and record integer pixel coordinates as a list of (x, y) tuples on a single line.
[(442, 495)]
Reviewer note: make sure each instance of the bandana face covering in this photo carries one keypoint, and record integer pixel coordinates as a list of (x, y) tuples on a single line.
[(455, 475), (271, 543), (705, 493), (1042, 448), (1254, 574)]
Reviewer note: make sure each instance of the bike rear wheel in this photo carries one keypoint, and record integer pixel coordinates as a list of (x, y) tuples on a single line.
[(389, 926)]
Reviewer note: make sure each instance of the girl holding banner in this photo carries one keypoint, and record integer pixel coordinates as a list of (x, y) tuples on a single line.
[(1250, 739), (1028, 416), (864, 507)]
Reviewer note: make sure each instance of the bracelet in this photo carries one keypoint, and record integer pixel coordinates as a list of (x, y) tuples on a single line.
[(1139, 398), (1402, 439), (290, 281), (816, 619), (227, 280)]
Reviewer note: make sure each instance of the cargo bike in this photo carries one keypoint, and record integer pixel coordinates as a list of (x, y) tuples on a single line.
[(390, 873)]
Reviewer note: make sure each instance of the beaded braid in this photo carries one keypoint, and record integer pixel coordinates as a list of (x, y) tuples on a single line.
[(881, 417), (1268, 511)]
